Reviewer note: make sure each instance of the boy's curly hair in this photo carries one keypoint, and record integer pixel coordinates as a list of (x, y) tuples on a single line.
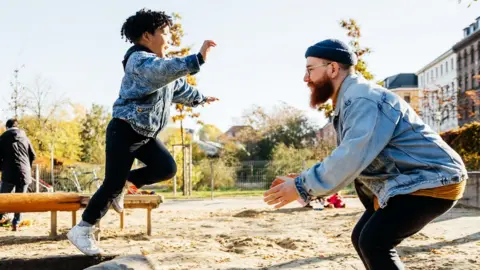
[(145, 20)]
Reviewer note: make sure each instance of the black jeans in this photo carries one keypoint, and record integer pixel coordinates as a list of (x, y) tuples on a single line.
[(123, 145), (377, 233), (7, 187)]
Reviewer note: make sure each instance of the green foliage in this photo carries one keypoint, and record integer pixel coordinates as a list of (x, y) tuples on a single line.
[(93, 133), (287, 160)]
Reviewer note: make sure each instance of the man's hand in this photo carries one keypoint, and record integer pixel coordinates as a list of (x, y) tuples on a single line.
[(281, 179), (205, 50), (281, 192)]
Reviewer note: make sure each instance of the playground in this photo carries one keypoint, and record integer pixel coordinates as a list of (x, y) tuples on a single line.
[(243, 233)]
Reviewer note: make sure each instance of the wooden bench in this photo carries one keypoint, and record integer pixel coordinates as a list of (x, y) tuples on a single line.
[(71, 202)]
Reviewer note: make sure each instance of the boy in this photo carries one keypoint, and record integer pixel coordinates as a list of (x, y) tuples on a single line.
[(150, 85)]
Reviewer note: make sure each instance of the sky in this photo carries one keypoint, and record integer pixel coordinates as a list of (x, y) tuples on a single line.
[(259, 58)]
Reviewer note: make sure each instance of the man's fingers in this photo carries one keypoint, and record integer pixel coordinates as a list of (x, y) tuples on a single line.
[(275, 201), (271, 191), (272, 197), (282, 204)]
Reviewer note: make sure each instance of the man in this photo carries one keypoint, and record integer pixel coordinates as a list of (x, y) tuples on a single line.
[(16, 159), (405, 174)]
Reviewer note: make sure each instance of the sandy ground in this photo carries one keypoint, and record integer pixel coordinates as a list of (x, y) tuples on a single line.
[(246, 234)]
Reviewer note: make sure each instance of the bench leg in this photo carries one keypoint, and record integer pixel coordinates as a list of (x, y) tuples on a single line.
[(149, 221), (53, 223), (122, 220), (74, 218), (97, 232)]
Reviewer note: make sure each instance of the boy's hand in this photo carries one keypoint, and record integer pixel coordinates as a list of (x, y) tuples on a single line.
[(205, 50), (211, 99)]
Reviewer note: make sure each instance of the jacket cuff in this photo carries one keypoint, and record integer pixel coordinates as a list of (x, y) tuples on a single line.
[(193, 64), (299, 184)]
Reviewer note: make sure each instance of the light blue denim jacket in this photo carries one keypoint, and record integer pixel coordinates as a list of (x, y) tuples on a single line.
[(384, 144), (150, 86)]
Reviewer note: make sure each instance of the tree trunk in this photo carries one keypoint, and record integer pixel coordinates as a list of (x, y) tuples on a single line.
[(184, 182)]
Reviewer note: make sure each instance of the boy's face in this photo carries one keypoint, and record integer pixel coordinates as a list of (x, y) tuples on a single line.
[(158, 42)]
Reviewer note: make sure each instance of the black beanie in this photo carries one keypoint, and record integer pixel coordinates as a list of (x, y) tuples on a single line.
[(333, 50)]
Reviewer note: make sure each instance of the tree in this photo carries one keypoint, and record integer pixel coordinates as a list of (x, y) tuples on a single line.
[(18, 100), (285, 124), (93, 133), (182, 111)]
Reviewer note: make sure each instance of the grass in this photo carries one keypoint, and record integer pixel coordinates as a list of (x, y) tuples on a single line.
[(216, 194)]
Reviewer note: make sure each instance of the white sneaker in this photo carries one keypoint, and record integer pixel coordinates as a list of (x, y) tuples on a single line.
[(83, 239), (118, 202)]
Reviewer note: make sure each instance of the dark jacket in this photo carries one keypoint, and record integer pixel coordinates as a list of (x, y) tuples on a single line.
[(16, 157)]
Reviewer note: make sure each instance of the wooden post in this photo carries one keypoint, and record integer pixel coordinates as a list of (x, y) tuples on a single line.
[(190, 169), (175, 177), (74, 218), (122, 220), (211, 178), (37, 179), (53, 223), (149, 221)]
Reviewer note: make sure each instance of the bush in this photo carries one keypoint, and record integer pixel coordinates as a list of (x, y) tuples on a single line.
[(466, 141), (224, 176)]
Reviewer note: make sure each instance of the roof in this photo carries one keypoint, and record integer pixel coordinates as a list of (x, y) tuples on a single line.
[(401, 80), (437, 60), (235, 129), (466, 41)]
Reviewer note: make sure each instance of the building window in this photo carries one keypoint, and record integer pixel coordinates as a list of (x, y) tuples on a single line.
[(472, 79), (453, 66), (465, 58), (421, 81), (436, 72), (446, 66), (441, 69), (459, 79)]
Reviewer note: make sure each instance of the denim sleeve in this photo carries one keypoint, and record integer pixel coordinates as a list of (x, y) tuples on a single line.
[(186, 94), (162, 71), (366, 132)]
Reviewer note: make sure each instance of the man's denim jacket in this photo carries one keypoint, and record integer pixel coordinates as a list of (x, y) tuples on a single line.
[(383, 143), (150, 86)]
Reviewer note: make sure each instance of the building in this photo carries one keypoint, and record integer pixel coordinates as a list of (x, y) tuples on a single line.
[(406, 86), (468, 62), (235, 132), (437, 82), (327, 135)]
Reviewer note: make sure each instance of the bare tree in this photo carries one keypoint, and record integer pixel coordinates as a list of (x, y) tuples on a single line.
[(43, 104), (439, 105), (18, 100)]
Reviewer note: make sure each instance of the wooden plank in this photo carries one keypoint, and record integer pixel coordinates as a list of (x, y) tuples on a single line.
[(53, 223), (149, 221), (39, 202)]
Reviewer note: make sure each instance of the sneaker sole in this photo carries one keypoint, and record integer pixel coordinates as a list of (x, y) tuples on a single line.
[(116, 207), (73, 243)]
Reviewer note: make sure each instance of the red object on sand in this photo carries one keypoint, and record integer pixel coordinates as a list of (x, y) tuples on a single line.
[(336, 201)]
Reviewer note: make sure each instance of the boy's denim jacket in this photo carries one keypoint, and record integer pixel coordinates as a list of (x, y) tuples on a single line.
[(150, 86), (382, 143)]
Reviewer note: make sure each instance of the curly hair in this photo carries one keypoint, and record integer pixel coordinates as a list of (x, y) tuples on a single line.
[(145, 20)]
